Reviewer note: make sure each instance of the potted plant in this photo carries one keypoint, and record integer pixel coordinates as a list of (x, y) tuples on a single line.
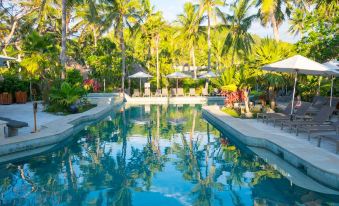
[(6, 88), (21, 92)]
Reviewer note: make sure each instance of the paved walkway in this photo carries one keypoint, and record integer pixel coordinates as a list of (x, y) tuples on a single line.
[(24, 113)]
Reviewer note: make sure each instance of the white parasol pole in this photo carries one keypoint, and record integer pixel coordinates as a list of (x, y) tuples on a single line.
[(140, 86), (176, 93), (295, 85)]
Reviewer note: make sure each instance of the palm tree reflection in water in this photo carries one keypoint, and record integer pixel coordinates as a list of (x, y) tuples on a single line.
[(117, 160)]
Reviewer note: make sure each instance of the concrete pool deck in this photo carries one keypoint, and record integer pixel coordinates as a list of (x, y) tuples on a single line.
[(318, 163), (24, 113), (54, 131)]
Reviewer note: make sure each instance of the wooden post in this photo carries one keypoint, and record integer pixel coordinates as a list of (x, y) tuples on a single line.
[(35, 109)]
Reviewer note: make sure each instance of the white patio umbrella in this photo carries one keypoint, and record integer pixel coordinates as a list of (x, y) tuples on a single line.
[(140, 75), (298, 65), (334, 66), (208, 75), (178, 75)]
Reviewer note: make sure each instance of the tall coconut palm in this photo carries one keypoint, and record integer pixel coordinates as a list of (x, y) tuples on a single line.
[(89, 20), (210, 7), (190, 29), (297, 22), (238, 39), (122, 13), (63, 38), (271, 11), (151, 29)]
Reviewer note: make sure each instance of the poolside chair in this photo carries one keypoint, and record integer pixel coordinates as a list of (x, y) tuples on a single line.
[(299, 114), (332, 126), (180, 92), (136, 93), (285, 113), (192, 92), (173, 92), (319, 119), (317, 103), (158, 93), (204, 92), (164, 92), (147, 92), (331, 137)]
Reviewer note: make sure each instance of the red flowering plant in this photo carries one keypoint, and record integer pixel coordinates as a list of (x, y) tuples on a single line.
[(232, 95), (92, 85)]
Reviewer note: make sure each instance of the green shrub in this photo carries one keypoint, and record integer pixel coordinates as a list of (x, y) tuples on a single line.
[(231, 112), (63, 96), (74, 77), (229, 88)]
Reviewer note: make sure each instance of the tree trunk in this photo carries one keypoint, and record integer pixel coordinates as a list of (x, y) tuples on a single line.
[(209, 40), (63, 39), (193, 62), (271, 94), (157, 39), (10, 35), (275, 28), (123, 64)]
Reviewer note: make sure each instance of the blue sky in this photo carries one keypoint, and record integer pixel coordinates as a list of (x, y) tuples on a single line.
[(171, 8)]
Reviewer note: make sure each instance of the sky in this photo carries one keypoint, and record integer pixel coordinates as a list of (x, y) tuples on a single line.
[(171, 8)]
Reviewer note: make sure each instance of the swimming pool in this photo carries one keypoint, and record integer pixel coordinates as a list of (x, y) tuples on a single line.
[(151, 155)]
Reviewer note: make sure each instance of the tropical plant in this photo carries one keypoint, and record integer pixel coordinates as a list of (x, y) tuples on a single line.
[(63, 96), (209, 7), (271, 11), (122, 13), (190, 29), (238, 39)]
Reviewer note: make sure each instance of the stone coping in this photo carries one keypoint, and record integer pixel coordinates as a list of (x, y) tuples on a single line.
[(58, 130), (321, 165)]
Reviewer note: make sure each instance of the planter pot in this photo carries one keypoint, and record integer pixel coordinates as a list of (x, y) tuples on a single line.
[(21, 97), (6, 98)]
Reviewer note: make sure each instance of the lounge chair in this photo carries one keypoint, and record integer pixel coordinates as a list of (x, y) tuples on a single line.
[(164, 92), (299, 114), (317, 103), (136, 93), (173, 92), (285, 113), (319, 119), (204, 92), (147, 93), (333, 126), (180, 92), (158, 93), (331, 137), (192, 92)]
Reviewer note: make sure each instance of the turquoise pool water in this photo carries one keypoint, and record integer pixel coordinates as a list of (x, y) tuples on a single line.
[(151, 155)]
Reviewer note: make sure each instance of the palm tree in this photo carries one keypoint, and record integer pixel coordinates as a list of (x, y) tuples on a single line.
[(90, 20), (63, 38), (271, 12), (210, 7), (151, 29), (238, 39), (297, 22), (121, 13), (190, 29)]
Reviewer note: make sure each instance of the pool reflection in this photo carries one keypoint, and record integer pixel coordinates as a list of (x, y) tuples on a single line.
[(157, 155)]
